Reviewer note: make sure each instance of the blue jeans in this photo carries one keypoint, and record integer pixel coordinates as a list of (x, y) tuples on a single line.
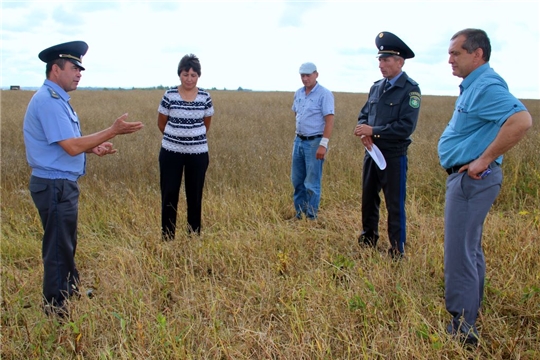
[(306, 175)]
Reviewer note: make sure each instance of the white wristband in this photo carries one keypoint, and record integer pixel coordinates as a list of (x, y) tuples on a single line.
[(324, 142)]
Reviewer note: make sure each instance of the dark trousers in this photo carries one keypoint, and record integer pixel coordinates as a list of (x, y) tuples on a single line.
[(171, 167), (57, 201), (392, 181)]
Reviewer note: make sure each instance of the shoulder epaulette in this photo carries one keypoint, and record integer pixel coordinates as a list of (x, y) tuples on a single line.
[(54, 94), (412, 81)]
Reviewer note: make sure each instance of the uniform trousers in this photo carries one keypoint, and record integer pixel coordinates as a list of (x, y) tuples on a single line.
[(57, 202), (171, 167), (467, 204), (392, 180)]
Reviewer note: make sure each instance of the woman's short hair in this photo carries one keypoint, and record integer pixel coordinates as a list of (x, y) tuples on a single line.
[(189, 61)]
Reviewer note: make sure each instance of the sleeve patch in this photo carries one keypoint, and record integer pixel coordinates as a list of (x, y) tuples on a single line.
[(414, 101)]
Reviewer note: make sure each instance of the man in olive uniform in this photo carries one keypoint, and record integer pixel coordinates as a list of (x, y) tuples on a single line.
[(387, 120)]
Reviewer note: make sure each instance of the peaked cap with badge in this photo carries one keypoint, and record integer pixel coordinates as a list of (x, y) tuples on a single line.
[(389, 45), (72, 51)]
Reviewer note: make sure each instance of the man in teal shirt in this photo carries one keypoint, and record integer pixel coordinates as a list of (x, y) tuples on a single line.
[(487, 121)]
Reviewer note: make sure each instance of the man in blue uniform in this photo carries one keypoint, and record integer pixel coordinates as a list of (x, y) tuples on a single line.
[(487, 121), (56, 152), (387, 120), (314, 109)]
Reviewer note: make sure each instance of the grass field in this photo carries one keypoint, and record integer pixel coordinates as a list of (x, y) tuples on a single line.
[(255, 285)]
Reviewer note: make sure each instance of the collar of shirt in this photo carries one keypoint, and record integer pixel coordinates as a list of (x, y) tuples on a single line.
[(393, 81), (473, 76), (64, 95), (314, 88)]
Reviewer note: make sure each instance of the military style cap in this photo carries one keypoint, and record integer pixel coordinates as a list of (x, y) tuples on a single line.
[(72, 51), (389, 44)]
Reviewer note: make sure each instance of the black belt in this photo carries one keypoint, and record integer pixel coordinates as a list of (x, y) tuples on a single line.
[(302, 137), (455, 169)]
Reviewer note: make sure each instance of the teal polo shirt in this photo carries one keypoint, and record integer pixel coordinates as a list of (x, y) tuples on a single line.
[(481, 109)]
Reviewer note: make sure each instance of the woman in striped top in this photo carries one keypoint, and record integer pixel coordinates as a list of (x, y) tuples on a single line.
[(184, 117)]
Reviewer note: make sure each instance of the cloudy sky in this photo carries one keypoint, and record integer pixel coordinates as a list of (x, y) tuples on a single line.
[(260, 45)]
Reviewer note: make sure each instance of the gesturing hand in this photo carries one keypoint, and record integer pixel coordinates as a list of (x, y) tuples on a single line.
[(121, 126), (104, 149)]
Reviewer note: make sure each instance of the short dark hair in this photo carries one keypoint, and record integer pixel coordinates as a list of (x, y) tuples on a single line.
[(60, 62), (189, 61), (474, 39)]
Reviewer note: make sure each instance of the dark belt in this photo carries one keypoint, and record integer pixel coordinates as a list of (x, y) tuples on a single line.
[(302, 137), (455, 169)]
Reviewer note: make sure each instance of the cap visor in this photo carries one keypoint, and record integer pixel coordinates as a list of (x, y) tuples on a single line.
[(77, 63)]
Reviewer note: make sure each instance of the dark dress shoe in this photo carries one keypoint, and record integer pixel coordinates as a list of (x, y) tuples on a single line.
[(368, 240)]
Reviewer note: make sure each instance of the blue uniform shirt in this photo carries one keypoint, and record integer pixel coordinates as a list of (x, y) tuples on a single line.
[(311, 109), (480, 111), (393, 81), (49, 119)]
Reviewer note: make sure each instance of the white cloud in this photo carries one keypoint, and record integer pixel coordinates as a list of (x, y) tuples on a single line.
[(260, 45)]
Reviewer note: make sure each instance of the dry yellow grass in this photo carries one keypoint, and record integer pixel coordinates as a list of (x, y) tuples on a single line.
[(254, 285)]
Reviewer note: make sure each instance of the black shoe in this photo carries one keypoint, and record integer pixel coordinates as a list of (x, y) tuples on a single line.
[(395, 254), (90, 293), (59, 311), (367, 241), (470, 343)]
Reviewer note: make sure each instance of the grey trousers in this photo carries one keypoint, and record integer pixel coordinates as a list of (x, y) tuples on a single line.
[(467, 204)]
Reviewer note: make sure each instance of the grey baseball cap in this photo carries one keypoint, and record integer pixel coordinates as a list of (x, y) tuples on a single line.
[(307, 68)]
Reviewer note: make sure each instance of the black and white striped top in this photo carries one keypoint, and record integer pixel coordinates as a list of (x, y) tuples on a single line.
[(185, 131)]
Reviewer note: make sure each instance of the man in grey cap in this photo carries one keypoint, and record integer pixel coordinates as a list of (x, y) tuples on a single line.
[(56, 152), (313, 106), (387, 120)]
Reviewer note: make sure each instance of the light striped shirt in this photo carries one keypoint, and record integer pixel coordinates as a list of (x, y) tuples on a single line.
[(185, 131)]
